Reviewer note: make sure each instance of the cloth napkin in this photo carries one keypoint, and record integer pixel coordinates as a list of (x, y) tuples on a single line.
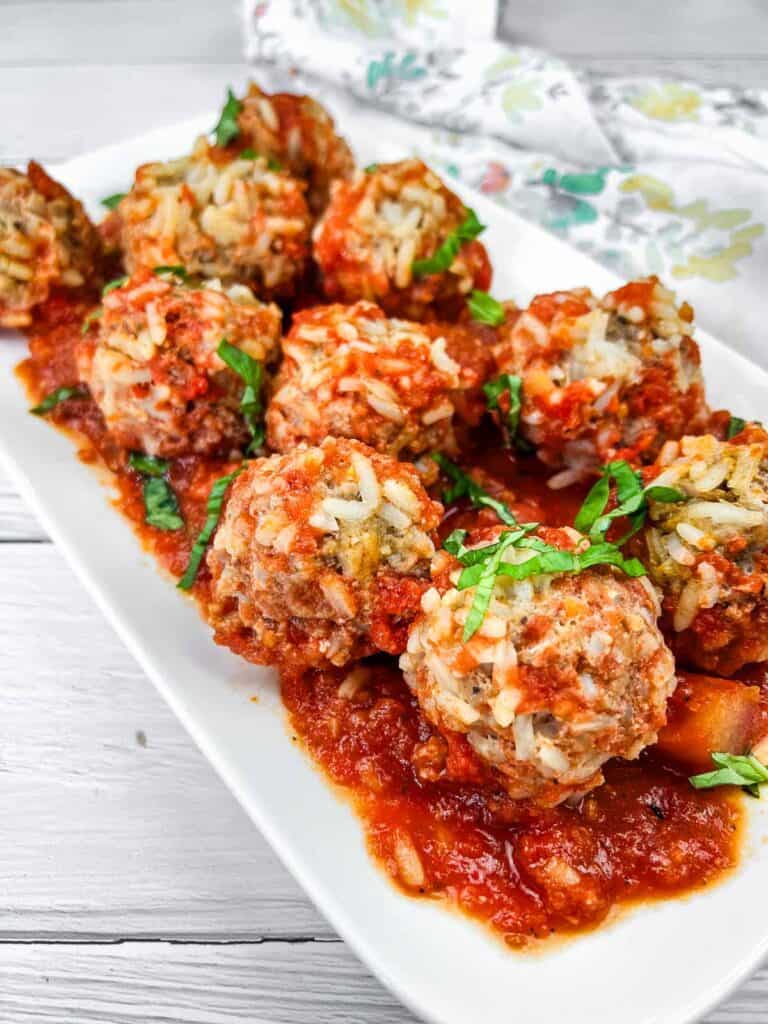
[(647, 176)]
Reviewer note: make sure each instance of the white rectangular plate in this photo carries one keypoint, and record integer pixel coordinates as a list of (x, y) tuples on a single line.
[(667, 963)]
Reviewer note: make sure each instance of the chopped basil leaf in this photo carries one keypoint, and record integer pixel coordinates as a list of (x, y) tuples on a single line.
[(735, 426), (249, 370), (110, 287), (469, 228), (371, 168), (248, 154), (227, 127), (213, 510), (483, 566), (59, 395), (148, 465), (485, 309), (733, 770), (465, 487), (112, 202), (632, 501), (273, 164), (161, 507), (176, 269), (92, 317), (513, 386)]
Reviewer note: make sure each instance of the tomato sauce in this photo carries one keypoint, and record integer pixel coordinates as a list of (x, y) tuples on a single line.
[(452, 834)]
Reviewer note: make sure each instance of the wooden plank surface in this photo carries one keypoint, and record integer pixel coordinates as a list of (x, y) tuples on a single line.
[(132, 887)]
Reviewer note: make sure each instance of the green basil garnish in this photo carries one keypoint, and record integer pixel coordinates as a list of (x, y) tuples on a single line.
[(632, 501), (733, 770), (735, 426), (485, 309), (110, 287), (176, 269), (513, 386), (93, 316), (465, 487), (469, 228), (59, 395), (250, 372), (213, 511), (161, 506), (483, 566), (227, 127), (112, 202), (371, 168)]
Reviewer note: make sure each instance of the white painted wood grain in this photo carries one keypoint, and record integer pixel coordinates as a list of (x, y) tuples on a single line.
[(111, 821)]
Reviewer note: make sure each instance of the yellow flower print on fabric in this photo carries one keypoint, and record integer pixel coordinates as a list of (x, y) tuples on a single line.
[(519, 97), (716, 239), (365, 16), (669, 102)]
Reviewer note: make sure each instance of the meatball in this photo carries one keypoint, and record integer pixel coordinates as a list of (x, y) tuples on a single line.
[(709, 553), (321, 557), (153, 369), (378, 224), (46, 240), (565, 672), (604, 378), (300, 133), (225, 217), (403, 388)]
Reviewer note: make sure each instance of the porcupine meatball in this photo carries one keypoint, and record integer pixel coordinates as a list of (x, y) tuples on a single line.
[(219, 216), (565, 672), (299, 133), (378, 224), (321, 556), (402, 387), (604, 378), (709, 553), (46, 239), (151, 364)]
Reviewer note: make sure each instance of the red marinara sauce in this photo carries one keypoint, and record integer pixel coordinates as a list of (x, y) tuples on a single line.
[(452, 835)]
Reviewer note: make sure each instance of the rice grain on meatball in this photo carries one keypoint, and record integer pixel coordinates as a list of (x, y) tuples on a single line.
[(401, 387), (321, 556), (378, 224), (604, 379), (709, 553), (300, 133), (219, 216), (153, 369), (46, 240), (565, 672)]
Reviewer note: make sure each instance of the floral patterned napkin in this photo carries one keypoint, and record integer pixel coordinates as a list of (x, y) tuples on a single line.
[(647, 176)]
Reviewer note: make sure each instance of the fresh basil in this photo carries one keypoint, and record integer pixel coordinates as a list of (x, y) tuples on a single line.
[(251, 154), (213, 511), (371, 168), (485, 309), (110, 287), (483, 566), (227, 127), (176, 269), (161, 506), (465, 487), (735, 426), (733, 770), (632, 501), (59, 395), (508, 383), (469, 228), (112, 202), (250, 372), (93, 316)]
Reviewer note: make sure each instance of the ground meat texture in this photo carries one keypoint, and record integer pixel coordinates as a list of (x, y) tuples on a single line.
[(46, 240), (300, 133), (321, 557), (151, 365), (219, 216), (604, 378), (565, 672), (382, 220), (709, 553), (402, 387)]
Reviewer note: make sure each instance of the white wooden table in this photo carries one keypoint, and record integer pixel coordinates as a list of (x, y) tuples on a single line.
[(132, 887)]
